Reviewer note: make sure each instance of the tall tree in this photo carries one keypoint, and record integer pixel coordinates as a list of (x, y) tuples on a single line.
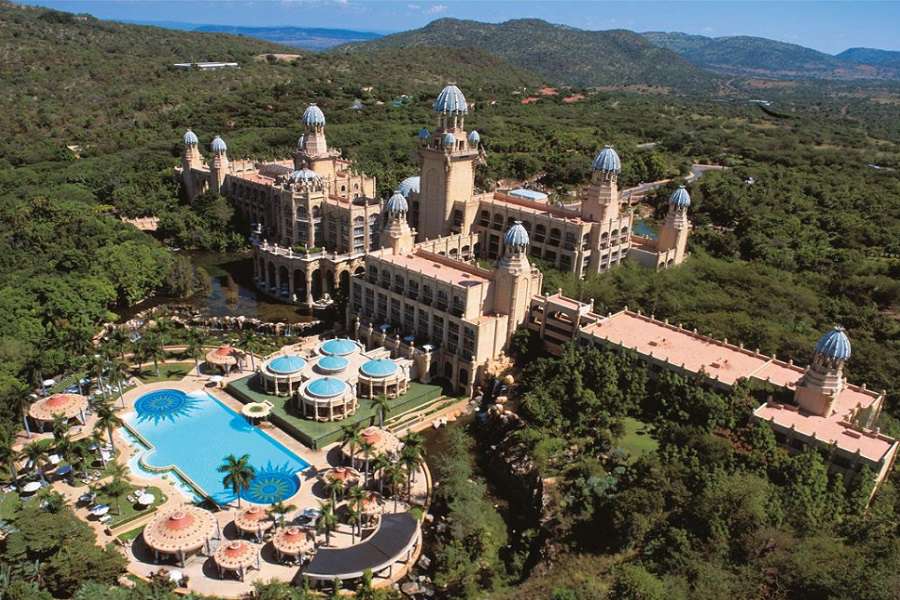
[(238, 474)]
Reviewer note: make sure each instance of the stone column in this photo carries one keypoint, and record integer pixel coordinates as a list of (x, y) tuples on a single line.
[(309, 296)]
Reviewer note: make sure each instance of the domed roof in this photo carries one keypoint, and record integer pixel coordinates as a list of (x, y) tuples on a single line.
[(516, 236), (396, 204), (607, 160), (190, 138), (301, 141), (424, 134), (326, 387), (218, 145), (332, 364), (451, 100), (304, 175), (474, 138), (313, 115), (680, 198), (339, 347), (410, 185), (383, 367), (449, 139), (285, 365), (834, 344)]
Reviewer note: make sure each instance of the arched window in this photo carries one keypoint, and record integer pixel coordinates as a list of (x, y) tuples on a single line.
[(485, 218), (498, 222), (540, 232), (554, 236), (316, 212), (302, 212)]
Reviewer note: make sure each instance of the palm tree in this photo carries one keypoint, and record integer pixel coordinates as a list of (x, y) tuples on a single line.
[(51, 500), (356, 495), (118, 341), (59, 426), (249, 343), (334, 486), (115, 489), (414, 444), (354, 519), (195, 341), (107, 419), (153, 349), (367, 448), (118, 471), (409, 459), (382, 407), (395, 475), (278, 510), (36, 455), (381, 462), (238, 474), (327, 521), (81, 452), (96, 365), (118, 372), (351, 434), (8, 454)]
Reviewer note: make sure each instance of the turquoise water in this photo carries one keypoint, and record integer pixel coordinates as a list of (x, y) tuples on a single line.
[(642, 229), (195, 432)]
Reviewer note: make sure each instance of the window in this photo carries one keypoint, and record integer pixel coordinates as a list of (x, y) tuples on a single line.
[(442, 300), (498, 222), (485, 218), (399, 284), (540, 233), (570, 241), (554, 237)]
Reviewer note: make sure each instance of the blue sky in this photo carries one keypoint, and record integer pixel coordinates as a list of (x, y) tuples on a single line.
[(827, 26)]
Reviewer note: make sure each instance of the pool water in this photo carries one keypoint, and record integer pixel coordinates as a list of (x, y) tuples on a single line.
[(194, 432)]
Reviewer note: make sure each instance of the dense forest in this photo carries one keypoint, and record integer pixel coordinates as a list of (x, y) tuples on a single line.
[(800, 232)]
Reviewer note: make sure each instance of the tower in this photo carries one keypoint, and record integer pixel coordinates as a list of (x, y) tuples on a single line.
[(674, 233), (219, 164), (824, 378), (190, 159), (513, 278), (312, 143), (601, 201), (396, 234), (447, 160)]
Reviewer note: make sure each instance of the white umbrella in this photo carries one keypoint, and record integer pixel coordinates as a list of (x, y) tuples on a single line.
[(146, 499), (216, 378), (175, 576), (100, 510), (54, 459), (31, 487), (49, 382)]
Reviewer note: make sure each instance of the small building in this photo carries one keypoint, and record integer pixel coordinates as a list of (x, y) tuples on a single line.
[(529, 194), (206, 66)]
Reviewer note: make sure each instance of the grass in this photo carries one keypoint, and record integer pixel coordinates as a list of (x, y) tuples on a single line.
[(129, 511), (131, 534), (317, 434), (638, 438), (167, 372)]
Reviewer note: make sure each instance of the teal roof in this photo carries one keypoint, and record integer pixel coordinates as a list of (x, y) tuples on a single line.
[(607, 160), (834, 344), (332, 363), (383, 367), (326, 387), (339, 347), (451, 100), (190, 138), (313, 115), (285, 365), (516, 236), (680, 198), (218, 145)]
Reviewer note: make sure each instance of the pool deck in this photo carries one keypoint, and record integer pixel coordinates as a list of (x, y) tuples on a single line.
[(200, 569)]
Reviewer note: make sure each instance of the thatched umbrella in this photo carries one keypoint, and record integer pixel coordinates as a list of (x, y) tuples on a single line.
[(291, 541), (254, 520), (180, 531), (381, 440), (237, 556), (67, 405), (372, 505), (346, 475), (223, 357)]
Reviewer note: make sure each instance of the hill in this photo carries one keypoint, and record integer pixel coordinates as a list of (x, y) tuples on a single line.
[(308, 38), (562, 55), (872, 56), (755, 56)]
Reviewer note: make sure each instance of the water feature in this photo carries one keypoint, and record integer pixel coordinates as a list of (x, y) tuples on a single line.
[(643, 229)]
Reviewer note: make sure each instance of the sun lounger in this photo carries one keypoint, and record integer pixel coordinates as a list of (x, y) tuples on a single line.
[(105, 519)]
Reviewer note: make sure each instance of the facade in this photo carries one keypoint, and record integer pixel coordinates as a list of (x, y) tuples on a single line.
[(805, 407)]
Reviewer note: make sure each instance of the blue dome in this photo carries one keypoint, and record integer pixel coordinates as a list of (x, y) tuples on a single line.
[(383, 367), (516, 236), (326, 387), (680, 198), (218, 145), (396, 204), (451, 100), (339, 347), (607, 160), (410, 185), (834, 344), (474, 138), (424, 134), (332, 364), (285, 365), (190, 138), (313, 115), (304, 175), (449, 139)]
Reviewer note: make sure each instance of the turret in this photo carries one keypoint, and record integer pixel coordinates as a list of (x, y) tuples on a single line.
[(824, 380), (219, 166), (190, 160), (397, 234), (513, 278), (312, 143), (601, 201), (673, 234)]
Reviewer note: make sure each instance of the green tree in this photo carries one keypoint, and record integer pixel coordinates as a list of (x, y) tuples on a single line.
[(327, 521), (382, 407), (633, 582), (107, 420), (116, 488), (238, 474)]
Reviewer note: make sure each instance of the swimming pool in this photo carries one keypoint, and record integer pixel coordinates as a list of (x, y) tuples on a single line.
[(193, 433)]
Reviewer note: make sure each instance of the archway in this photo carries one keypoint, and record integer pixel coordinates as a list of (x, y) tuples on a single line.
[(283, 281), (345, 282), (316, 284), (300, 285), (270, 275)]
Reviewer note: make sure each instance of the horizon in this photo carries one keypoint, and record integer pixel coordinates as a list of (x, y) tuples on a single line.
[(830, 27)]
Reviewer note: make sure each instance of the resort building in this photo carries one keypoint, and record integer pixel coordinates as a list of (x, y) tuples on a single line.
[(814, 406)]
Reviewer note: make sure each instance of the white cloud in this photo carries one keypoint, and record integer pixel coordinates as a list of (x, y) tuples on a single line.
[(436, 8)]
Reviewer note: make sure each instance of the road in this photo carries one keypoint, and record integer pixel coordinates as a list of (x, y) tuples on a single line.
[(697, 171)]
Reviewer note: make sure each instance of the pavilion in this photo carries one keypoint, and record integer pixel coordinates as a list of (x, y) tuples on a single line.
[(180, 532), (236, 556), (68, 406)]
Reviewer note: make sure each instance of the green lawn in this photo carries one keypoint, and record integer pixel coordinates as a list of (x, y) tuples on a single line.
[(129, 511), (638, 438), (167, 372), (317, 434), (131, 534)]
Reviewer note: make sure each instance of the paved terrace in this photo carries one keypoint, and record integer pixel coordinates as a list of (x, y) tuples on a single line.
[(726, 363)]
